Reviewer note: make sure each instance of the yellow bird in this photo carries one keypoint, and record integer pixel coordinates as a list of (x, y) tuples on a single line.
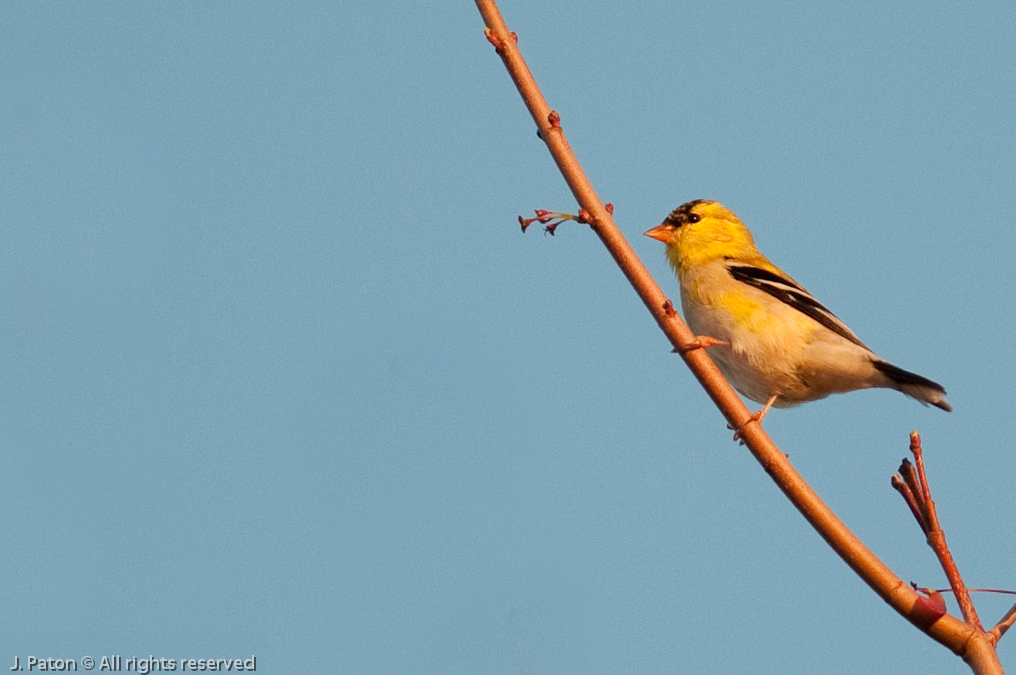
[(775, 342)]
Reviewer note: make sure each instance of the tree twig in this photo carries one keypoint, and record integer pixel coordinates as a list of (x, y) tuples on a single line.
[(917, 492), (1005, 624)]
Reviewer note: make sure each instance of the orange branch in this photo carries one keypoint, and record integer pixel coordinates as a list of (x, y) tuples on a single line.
[(917, 492), (948, 630)]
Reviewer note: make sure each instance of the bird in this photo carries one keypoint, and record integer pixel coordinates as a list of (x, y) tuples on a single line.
[(774, 342)]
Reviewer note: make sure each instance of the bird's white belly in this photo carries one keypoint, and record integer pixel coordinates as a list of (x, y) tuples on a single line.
[(765, 361)]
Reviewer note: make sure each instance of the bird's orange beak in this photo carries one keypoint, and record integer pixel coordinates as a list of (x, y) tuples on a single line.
[(661, 233)]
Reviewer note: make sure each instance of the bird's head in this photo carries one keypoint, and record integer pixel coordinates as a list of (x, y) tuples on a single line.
[(701, 231)]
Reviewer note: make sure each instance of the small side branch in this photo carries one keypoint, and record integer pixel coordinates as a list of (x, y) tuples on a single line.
[(1005, 624), (912, 483)]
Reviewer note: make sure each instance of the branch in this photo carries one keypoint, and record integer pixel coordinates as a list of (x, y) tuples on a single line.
[(917, 492), (1005, 624), (948, 630)]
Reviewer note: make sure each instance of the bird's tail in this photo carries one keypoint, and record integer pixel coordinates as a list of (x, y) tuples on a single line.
[(914, 386)]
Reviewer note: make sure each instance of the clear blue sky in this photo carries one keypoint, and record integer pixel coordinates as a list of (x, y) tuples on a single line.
[(280, 375)]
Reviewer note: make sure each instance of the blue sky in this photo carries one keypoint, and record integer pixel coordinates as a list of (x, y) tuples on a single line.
[(280, 376)]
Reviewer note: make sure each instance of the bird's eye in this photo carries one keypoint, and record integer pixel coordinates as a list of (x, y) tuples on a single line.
[(694, 217)]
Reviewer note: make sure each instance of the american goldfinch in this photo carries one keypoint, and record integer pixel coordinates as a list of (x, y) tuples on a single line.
[(775, 343)]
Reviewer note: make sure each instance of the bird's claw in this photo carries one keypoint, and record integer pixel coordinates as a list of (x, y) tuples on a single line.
[(756, 416), (700, 342)]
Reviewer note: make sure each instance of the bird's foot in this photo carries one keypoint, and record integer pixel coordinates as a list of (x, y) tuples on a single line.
[(700, 342), (756, 416)]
